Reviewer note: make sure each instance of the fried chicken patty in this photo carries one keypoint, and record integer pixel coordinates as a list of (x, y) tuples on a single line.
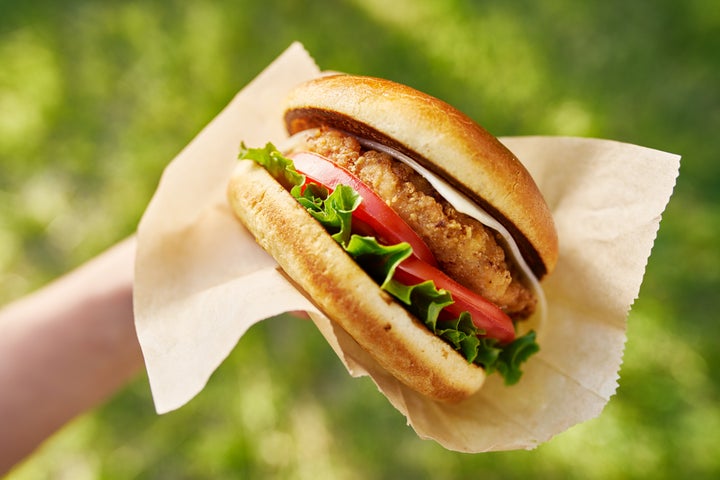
[(465, 249)]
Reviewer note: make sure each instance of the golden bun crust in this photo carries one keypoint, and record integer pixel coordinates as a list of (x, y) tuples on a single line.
[(443, 140), (344, 292)]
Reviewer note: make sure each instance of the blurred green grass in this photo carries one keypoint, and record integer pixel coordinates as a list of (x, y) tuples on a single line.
[(97, 97)]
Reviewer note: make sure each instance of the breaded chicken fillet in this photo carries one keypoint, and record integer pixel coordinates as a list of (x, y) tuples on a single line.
[(464, 248)]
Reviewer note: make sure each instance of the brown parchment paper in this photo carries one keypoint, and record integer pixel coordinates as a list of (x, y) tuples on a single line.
[(202, 281)]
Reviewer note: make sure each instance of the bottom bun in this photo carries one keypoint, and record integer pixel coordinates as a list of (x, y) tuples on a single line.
[(399, 342)]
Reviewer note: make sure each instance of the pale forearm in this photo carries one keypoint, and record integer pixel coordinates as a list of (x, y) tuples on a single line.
[(65, 349)]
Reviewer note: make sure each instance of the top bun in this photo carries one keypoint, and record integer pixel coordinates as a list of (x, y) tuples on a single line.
[(442, 139)]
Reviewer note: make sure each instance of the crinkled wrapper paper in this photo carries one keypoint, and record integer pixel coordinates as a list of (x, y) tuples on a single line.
[(202, 281)]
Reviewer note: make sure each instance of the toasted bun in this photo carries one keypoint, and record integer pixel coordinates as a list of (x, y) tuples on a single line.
[(344, 292), (443, 140)]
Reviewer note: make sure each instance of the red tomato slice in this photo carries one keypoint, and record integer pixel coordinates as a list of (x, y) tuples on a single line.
[(485, 314), (374, 214), (373, 211)]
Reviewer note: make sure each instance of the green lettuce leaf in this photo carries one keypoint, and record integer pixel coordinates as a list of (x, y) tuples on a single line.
[(378, 260), (332, 210), (279, 166), (514, 355), (424, 300)]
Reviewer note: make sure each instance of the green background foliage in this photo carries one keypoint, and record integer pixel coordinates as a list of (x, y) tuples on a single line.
[(97, 97)]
